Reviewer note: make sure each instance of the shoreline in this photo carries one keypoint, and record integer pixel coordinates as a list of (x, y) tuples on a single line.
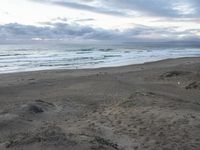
[(97, 68), (154, 105)]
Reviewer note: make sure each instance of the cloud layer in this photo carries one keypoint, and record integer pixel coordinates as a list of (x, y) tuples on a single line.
[(55, 31), (104, 20), (64, 31), (163, 8)]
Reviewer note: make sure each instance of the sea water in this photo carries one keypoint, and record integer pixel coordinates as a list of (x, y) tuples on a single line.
[(31, 57)]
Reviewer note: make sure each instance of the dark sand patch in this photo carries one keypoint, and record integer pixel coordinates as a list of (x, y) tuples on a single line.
[(104, 144), (193, 85), (37, 107), (175, 73)]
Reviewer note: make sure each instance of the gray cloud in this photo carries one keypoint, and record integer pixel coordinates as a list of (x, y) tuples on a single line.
[(163, 8), (60, 19), (80, 6), (150, 7), (85, 20), (83, 33), (56, 31)]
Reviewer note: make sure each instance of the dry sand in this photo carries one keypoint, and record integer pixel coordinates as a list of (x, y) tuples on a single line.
[(153, 106)]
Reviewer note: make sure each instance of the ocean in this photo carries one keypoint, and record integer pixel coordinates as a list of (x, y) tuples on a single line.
[(32, 57)]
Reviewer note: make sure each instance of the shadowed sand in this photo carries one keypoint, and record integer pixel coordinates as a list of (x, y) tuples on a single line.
[(149, 106)]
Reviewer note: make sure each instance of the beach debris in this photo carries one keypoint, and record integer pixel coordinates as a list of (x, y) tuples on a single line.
[(193, 85), (106, 142), (174, 74), (37, 107)]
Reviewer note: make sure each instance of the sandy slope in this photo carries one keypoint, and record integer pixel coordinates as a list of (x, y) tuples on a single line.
[(151, 106)]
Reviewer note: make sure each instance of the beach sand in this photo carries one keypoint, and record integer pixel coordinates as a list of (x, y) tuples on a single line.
[(151, 106)]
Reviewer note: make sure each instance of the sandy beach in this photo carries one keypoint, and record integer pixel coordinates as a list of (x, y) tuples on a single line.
[(151, 106)]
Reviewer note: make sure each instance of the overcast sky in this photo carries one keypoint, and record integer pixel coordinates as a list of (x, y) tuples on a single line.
[(100, 20)]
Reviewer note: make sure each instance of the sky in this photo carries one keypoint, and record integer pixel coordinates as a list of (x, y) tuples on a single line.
[(100, 20)]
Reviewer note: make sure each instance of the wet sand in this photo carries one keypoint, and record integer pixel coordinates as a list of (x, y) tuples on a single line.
[(152, 106)]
